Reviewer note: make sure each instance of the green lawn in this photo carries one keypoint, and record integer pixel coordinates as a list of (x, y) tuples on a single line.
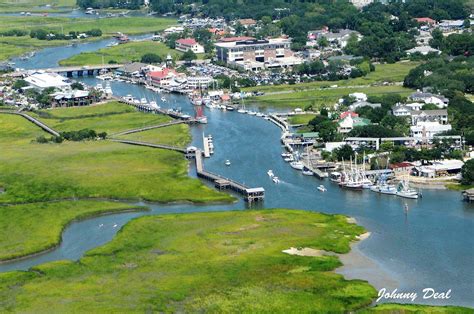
[(301, 118), (31, 228), (202, 262), (328, 96), (36, 5), (14, 46), (395, 72), (124, 53), (416, 309), (111, 118)]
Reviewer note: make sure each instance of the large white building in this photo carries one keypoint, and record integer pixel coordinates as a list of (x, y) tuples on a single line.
[(428, 129), (185, 44), (43, 80)]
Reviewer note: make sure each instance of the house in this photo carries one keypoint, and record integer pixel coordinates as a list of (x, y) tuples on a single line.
[(42, 80), (185, 44), (199, 82), (428, 129), (70, 98), (361, 3), (425, 21), (401, 168), (362, 103), (359, 96), (173, 30), (428, 98), (415, 106), (440, 116), (423, 50), (341, 37), (349, 122), (247, 22), (401, 111), (451, 25), (162, 78), (131, 69)]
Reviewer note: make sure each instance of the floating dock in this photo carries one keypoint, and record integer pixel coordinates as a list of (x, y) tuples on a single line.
[(250, 194)]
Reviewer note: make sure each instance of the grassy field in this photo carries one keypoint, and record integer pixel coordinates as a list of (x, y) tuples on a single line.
[(125, 53), (395, 72), (36, 5), (99, 169), (328, 96), (29, 228), (301, 118), (111, 117), (203, 262), (176, 135), (416, 309), (14, 46)]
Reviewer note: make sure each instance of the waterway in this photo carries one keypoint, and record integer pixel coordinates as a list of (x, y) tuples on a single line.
[(431, 247)]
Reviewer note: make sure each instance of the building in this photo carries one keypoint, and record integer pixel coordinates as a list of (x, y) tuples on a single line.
[(429, 98), (199, 82), (440, 116), (349, 122), (163, 78), (428, 129), (71, 98), (423, 50), (341, 37), (401, 168), (185, 44), (131, 69), (425, 21), (253, 54), (247, 22), (361, 3), (401, 111), (441, 168), (362, 103), (42, 80)]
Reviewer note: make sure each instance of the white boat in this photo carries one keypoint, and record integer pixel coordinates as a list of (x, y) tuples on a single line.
[(259, 114), (144, 102), (321, 188), (270, 173), (285, 155), (230, 108), (105, 77), (153, 104), (202, 119), (288, 159), (163, 99), (297, 165), (404, 190), (276, 180), (307, 172), (384, 189), (227, 162), (252, 113), (242, 111)]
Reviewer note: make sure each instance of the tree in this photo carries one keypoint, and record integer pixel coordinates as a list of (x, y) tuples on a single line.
[(467, 172), (77, 85), (19, 84), (189, 56), (344, 152), (151, 58), (437, 41)]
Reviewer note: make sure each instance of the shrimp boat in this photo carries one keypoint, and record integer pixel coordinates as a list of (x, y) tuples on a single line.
[(321, 188), (350, 179), (200, 117), (404, 190)]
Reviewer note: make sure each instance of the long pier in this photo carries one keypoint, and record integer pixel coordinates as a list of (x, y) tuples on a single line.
[(172, 114), (146, 144), (33, 120), (250, 194), (149, 128)]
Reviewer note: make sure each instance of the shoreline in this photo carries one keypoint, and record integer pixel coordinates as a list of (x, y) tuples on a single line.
[(357, 265)]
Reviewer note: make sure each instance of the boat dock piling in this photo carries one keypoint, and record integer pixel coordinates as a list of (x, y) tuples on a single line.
[(250, 194)]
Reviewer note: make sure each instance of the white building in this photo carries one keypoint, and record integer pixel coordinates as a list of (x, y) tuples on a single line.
[(428, 129), (424, 50), (440, 116), (361, 3), (401, 111), (42, 80), (198, 82), (186, 44), (428, 98)]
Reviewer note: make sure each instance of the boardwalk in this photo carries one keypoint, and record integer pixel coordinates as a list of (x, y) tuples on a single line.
[(171, 113), (90, 69), (149, 127), (138, 143), (250, 194), (33, 120)]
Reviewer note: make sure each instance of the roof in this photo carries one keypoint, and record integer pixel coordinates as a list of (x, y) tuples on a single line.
[(425, 20), (437, 112), (348, 113), (232, 39), (310, 135), (361, 121), (132, 67), (423, 49), (247, 21), (162, 74), (400, 165), (186, 41), (46, 79)]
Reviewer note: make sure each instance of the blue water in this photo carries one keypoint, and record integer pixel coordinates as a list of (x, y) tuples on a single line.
[(433, 246)]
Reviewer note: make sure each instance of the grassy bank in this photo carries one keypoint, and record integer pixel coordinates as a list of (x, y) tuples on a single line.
[(416, 309), (459, 187), (395, 72), (125, 53), (301, 118), (15, 46), (30, 228), (327, 96), (218, 262), (99, 169), (164, 135)]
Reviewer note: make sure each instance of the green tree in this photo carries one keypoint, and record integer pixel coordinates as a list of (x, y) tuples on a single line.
[(20, 84), (467, 172), (189, 56), (151, 58), (344, 152)]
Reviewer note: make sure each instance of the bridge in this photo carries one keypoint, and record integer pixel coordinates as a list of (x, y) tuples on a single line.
[(70, 70), (32, 120), (250, 194)]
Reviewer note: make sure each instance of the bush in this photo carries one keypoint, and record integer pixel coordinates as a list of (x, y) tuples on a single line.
[(151, 58)]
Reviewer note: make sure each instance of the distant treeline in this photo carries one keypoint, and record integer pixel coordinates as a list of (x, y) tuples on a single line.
[(99, 4), (75, 136)]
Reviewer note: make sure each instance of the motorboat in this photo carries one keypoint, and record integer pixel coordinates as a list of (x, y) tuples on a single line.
[(321, 188), (351, 185), (275, 179), (270, 173), (163, 99), (242, 111), (286, 155), (153, 104), (252, 113), (384, 189), (230, 108), (105, 77), (202, 119), (297, 165), (227, 162), (335, 176), (289, 158), (307, 172), (259, 114), (144, 102)]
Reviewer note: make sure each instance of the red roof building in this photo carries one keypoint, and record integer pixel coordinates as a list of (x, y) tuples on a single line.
[(163, 77), (425, 20), (185, 44), (348, 113), (234, 39)]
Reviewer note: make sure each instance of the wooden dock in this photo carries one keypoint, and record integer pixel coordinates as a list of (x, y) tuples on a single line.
[(150, 127), (317, 172), (172, 114), (250, 194), (468, 195), (138, 143)]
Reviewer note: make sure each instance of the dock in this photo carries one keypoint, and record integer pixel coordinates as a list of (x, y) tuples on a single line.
[(149, 127), (315, 169), (468, 195), (69, 70), (250, 194), (146, 108)]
